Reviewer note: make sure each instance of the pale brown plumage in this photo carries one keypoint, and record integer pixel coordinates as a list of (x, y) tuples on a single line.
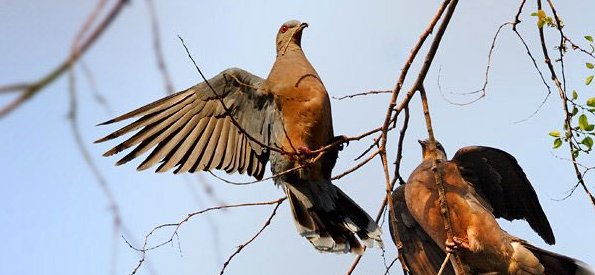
[(481, 184), (288, 111)]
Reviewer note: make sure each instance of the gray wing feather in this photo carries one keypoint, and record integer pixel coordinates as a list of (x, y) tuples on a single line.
[(193, 131)]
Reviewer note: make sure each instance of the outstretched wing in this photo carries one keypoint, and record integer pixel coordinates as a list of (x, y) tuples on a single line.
[(498, 178), (193, 130), (421, 254)]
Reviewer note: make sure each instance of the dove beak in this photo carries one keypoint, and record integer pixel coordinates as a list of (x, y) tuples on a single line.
[(421, 142), (303, 25)]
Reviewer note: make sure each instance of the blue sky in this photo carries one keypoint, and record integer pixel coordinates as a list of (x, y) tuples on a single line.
[(54, 218)]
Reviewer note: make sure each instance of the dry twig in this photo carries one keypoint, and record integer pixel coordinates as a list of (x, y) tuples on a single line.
[(177, 226), (240, 247), (363, 94), (28, 90)]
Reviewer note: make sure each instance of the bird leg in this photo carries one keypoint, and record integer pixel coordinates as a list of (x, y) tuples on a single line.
[(456, 244)]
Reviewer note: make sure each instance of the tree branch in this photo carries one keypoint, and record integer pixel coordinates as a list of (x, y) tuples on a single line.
[(28, 90)]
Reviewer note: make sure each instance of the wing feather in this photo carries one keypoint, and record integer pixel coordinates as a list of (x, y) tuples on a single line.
[(193, 130), (199, 148), (146, 120), (231, 147), (498, 178), (210, 147), (156, 106), (150, 136), (221, 145), (167, 146)]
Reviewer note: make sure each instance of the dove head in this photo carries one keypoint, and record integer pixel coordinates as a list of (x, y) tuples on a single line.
[(425, 148), (290, 34)]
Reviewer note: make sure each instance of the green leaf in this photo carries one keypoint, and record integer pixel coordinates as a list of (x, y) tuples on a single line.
[(589, 65), (540, 23), (590, 127), (541, 14), (589, 79), (535, 14), (574, 95), (574, 111), (588, 37), (583, 122), (588, 141), (591, 102), (557, 143), (554, 134)]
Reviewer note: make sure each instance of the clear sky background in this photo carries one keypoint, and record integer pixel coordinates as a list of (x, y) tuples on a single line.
[(54, 218)]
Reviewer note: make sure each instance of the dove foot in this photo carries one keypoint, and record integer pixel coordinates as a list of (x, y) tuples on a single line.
[(456, 244), (304, 150)]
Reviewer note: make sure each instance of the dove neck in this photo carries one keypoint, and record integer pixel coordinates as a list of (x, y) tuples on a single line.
[(291, 49), (427, 154)]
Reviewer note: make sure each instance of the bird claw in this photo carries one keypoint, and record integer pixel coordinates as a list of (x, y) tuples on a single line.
[(304, 150), (343, 138), (456, 244)]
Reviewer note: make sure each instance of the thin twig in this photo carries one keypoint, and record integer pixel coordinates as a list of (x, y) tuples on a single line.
[(99, 98), (577, 47), (487, 72), (517, 21), (240, 247), (397, 173), (356, 167), (169, 87), (177, 226), (391, 265), (363, 94), (443, 266), (30, 89)]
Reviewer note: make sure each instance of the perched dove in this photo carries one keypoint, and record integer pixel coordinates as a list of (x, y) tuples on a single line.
[(481, 184), (281, 119)]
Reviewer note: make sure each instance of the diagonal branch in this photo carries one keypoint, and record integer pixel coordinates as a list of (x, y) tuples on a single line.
[(28, 90)]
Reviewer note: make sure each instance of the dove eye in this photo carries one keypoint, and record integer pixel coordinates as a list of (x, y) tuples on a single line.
[(283, 29)]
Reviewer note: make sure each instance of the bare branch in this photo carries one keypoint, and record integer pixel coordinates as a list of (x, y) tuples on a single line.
[(240, 247), (549, 90), (30, 89), (357, 166), (177, 226), (487, 72), (363, 94), (446, 259), (169, 87)]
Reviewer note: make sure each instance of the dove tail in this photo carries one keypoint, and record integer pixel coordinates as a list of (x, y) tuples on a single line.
[(329, 219), (556, 264)]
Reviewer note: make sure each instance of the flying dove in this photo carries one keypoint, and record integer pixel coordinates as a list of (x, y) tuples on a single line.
[(237, 122), (481, 184)]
